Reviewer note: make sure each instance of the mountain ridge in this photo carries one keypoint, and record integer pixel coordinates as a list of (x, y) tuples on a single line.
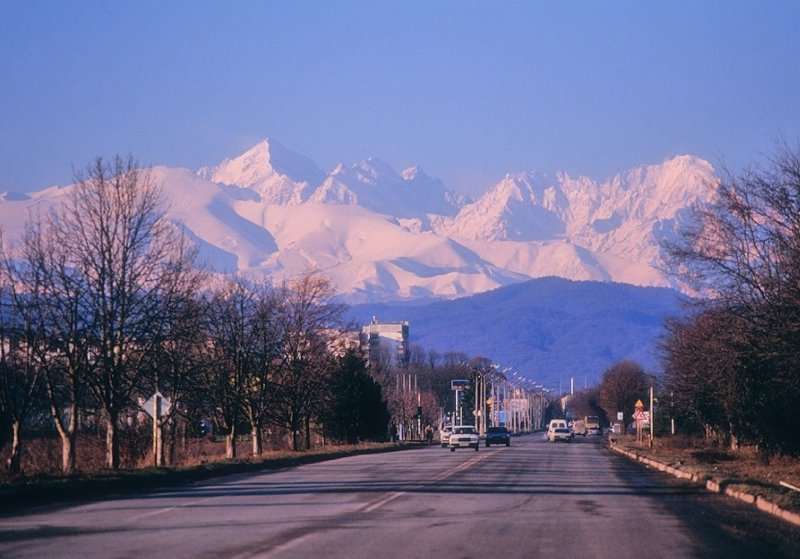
[(381, 235)]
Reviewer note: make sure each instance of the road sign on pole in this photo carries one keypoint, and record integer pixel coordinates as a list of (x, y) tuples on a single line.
[(157, 407)]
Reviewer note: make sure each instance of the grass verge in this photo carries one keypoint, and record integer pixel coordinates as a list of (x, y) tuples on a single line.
[(22, 494), (742, 471)]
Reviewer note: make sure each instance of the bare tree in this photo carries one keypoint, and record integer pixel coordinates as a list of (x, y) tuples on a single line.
[(622, 384), (309, 318), (177, 362), (743, 255), (265, 339), (587, 402), (700, 366), (20, 375), (232, 311), (51, 297), (133, 264)]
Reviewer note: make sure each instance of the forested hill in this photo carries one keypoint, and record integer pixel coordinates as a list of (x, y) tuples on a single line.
[(549, 329)]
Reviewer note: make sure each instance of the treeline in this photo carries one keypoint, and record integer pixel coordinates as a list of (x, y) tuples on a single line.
[(732, 367), (102, 305)]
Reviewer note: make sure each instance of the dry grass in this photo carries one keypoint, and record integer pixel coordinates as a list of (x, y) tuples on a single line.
[(41, 457), (197, 460), (743, 470)]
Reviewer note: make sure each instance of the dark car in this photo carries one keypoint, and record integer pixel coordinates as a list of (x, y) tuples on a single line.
[(498, 435)]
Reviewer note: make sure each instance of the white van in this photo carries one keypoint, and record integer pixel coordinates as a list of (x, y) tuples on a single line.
[(561, 425)]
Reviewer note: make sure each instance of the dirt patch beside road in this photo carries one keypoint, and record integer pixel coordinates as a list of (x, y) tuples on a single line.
[(743, 471)]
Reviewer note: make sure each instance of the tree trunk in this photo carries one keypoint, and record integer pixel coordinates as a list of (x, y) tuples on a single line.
[(69, 439), (112, 441), (258, 443), (15, 460), (308, 433), (230, 444), (295, 432), (734, 439), (171, 434), (68, 434), (69, 462)]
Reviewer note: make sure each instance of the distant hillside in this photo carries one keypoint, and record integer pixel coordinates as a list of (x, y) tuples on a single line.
[(549, 329)]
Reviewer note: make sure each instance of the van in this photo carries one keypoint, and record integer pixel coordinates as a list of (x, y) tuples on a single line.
[(556, 424)]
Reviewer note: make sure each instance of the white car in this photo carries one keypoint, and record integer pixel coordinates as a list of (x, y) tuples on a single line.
[(464, 436), (560, 434), (444, 435)]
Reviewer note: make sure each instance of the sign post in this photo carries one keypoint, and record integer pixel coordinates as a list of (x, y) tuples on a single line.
[(639, 417), (457, 385), (157, 407)]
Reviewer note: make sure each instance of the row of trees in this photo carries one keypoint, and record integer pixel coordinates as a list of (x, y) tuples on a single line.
[(101, 305), (733, 366)]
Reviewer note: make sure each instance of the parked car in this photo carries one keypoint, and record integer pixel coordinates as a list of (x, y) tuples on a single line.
[(444, 435), (498, 435), (464, 436), (560, 434)]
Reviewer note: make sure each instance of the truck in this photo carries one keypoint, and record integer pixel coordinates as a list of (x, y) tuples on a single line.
[(592, 424), (579, 427)]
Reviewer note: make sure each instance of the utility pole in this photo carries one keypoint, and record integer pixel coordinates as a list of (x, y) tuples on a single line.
[(652, 417)]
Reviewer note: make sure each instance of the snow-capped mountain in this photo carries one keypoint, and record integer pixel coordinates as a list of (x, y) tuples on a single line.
[(382, 235), (625, 216), (374, 185), (279, 175)]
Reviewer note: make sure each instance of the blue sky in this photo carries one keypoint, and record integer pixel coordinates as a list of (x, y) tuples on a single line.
[(466, 90)]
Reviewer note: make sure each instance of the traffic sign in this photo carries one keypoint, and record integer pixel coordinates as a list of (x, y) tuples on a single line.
[(458, 384), (150, 405)]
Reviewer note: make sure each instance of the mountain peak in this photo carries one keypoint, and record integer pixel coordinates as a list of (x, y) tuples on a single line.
[(277, 173), (411, 173)]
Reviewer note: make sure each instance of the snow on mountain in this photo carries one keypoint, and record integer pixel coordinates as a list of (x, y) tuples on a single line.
[(382, 235), (522, 207), (372, 257), (279, 175), (622, 219), (631, 213), (208, 213), (374, 185)]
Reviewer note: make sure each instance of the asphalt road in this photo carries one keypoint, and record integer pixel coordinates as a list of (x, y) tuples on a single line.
[(533, 499)]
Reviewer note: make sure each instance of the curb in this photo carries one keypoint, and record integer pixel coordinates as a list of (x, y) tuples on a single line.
[(714, 486)]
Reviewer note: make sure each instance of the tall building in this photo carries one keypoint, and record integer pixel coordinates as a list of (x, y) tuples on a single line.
[(390, 338)]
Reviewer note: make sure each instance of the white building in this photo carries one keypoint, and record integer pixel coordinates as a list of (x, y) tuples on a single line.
[(388, 337)]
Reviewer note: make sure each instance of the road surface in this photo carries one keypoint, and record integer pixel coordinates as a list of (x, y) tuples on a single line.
[(534, 499)]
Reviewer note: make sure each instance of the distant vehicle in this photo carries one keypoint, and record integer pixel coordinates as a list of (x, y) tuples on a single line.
[(444, 435), (592, 423), (560, 434), (555, 424), (579, 427), (464, 436), (497, 435)]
